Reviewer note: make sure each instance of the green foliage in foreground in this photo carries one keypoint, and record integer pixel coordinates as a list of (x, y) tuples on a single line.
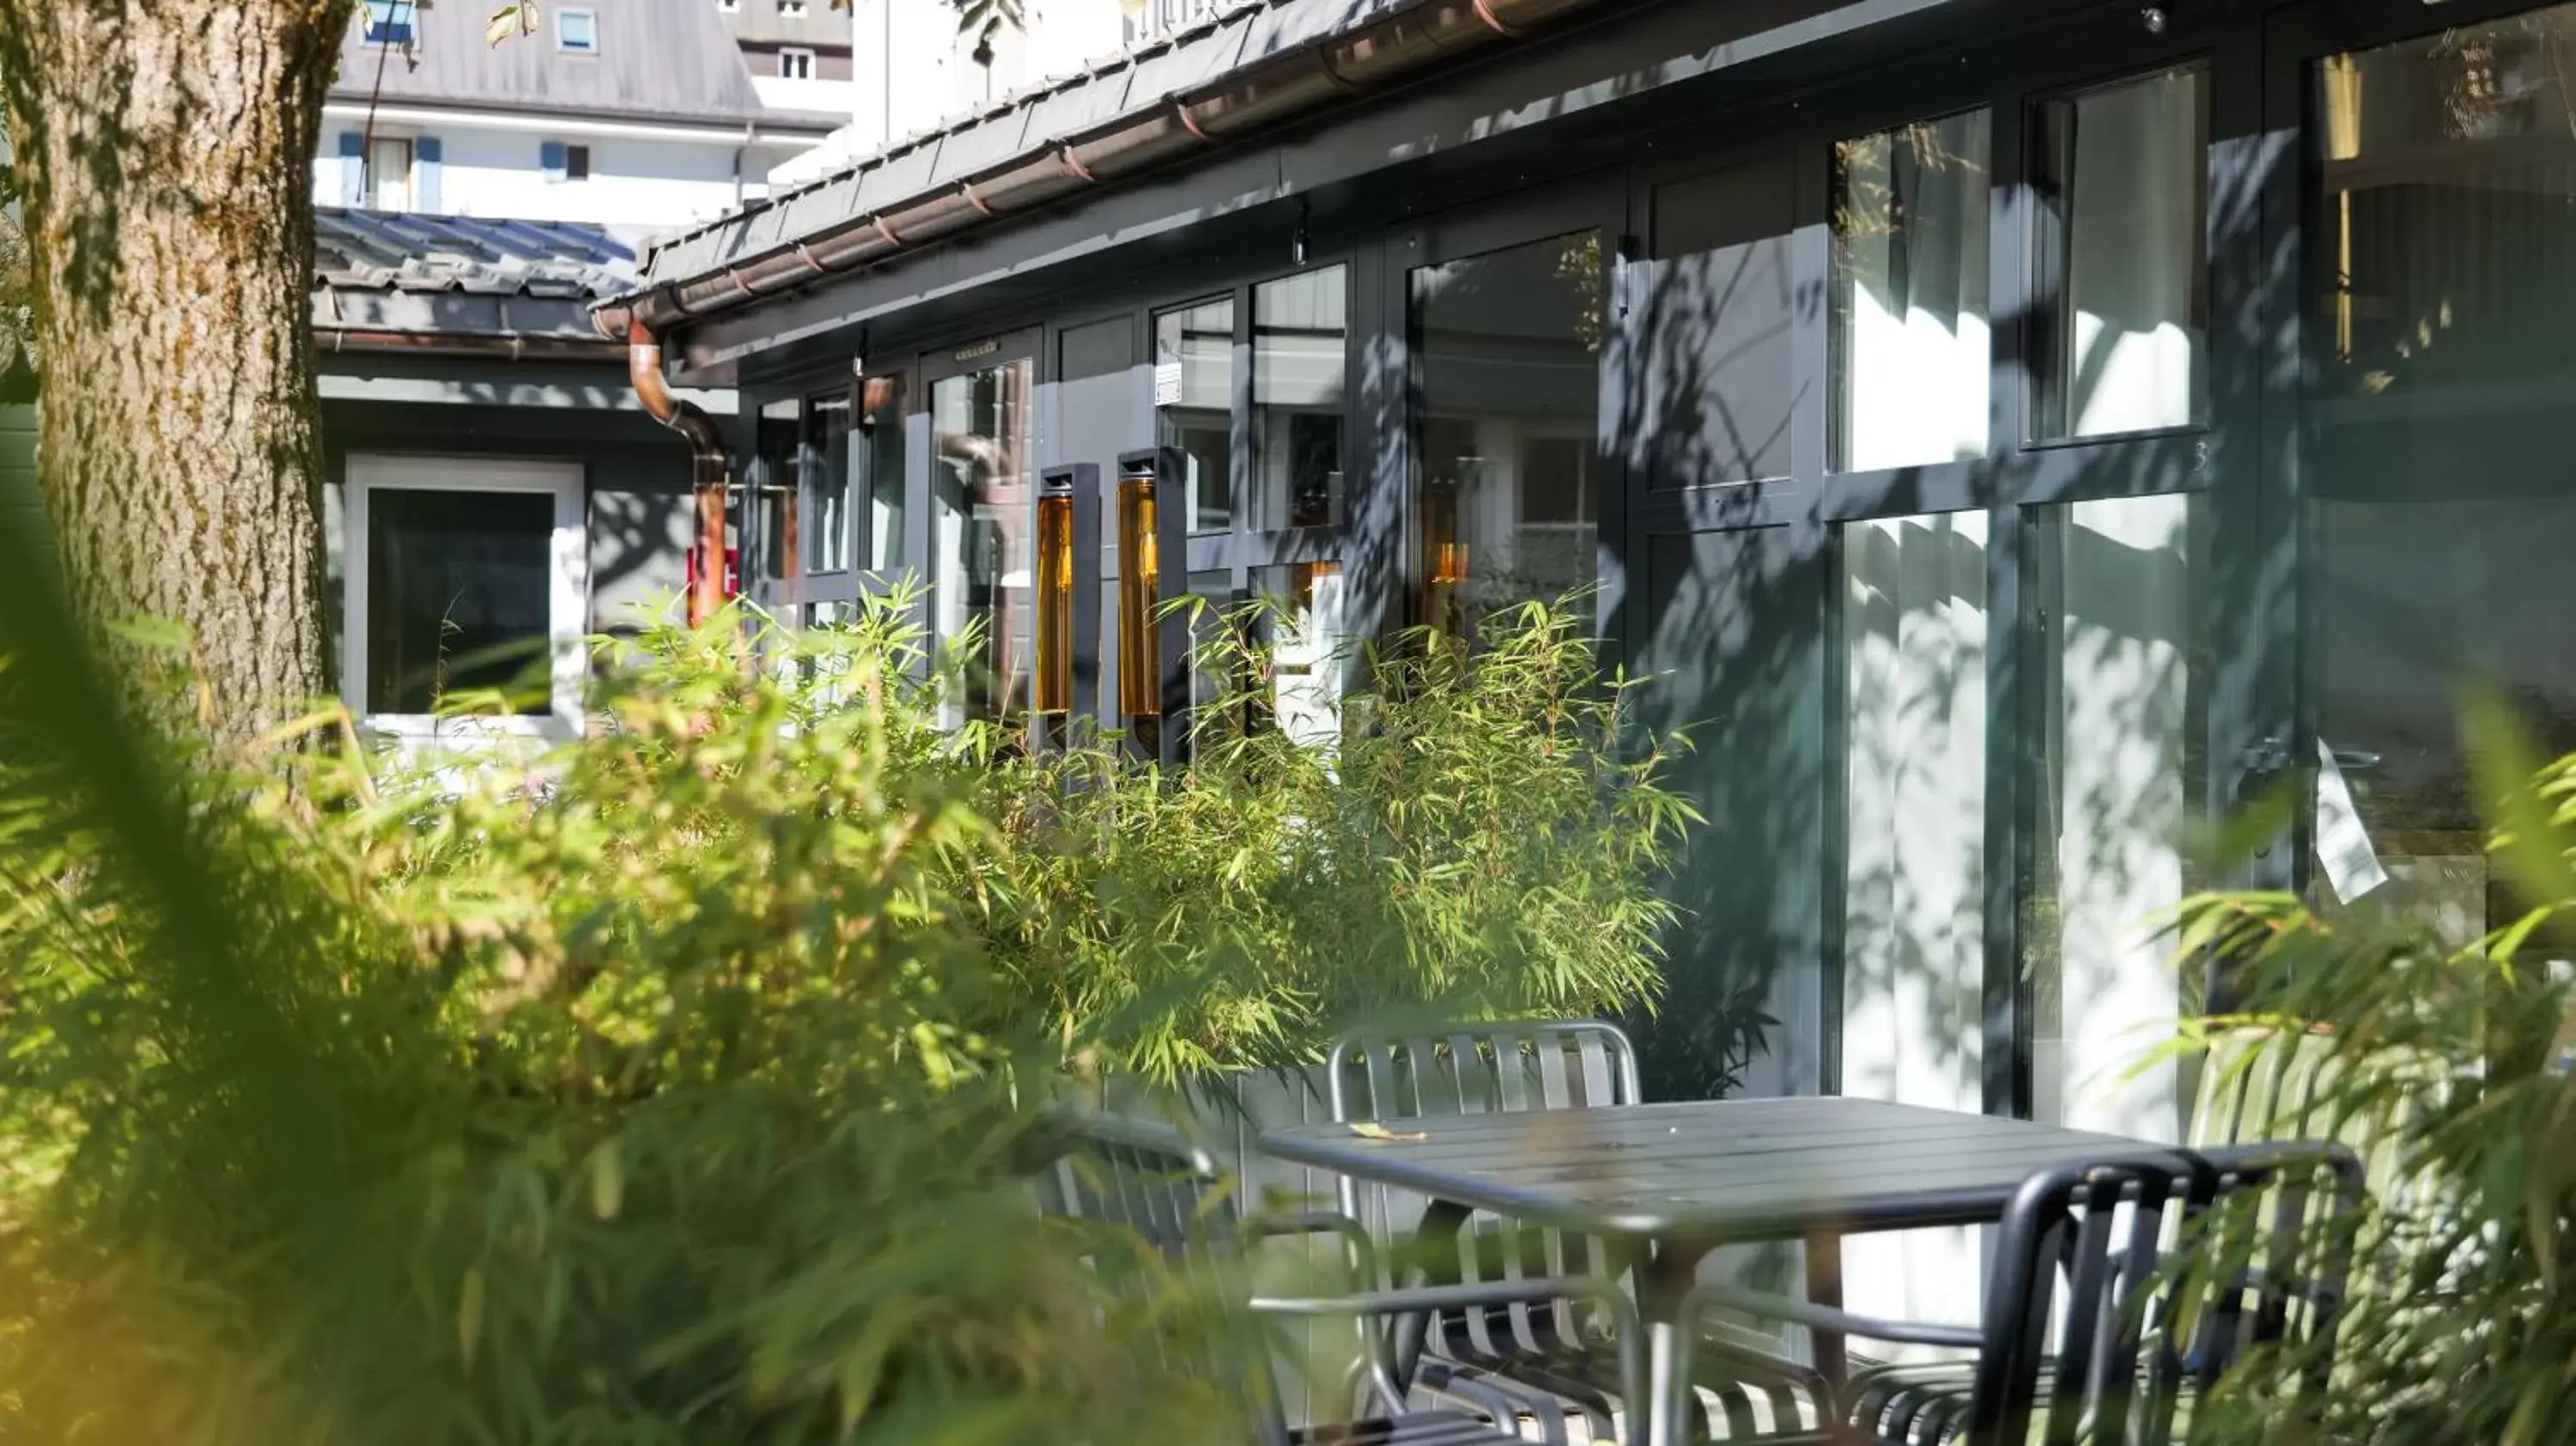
[(670, 1086), (2462, 1322)]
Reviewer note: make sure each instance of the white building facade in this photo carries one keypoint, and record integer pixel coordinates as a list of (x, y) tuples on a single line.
[(636, 114)]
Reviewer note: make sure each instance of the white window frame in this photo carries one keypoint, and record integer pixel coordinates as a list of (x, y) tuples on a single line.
[(587, 12), (802, 53), (568, 592), (728, 6), (791, 9)]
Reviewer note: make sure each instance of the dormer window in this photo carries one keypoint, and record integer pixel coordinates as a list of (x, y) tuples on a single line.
[(791, 9), (577, 32), (389, 22)]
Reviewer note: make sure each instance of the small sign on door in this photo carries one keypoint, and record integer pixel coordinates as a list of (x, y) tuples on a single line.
[(1167, 384)]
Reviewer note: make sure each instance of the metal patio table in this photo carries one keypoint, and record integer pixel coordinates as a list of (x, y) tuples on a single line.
[(1666, 1184)]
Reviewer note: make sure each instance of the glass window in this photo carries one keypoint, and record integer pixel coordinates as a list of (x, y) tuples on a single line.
[(2117, 635), (984, 591), (1299, 351), (794, 64), (577, 31), (1510, 349), (389, 22), (1914, 640), (1721, 382), (1306, 650), (2443, 351), (1908, 345), (459, 594), (884, 399), (774, 486), (827, 521), (1194, 402), (389, 173), (2123, 187)]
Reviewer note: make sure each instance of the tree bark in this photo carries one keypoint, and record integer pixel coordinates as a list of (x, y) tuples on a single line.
[(164, 152)]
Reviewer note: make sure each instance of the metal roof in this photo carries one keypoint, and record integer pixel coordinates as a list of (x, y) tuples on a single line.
[(1036, 118), (463, 276), (663, 60)]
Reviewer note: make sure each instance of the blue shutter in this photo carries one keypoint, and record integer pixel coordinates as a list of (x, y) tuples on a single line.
[(550, 156), (425, 175), (353, 168)]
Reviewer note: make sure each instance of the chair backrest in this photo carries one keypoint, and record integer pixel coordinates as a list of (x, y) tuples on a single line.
[(1150, 1180), (1511, 1067), (2141, 1269)]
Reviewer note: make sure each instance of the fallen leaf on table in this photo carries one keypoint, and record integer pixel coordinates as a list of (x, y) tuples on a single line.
[(1371, 1130)]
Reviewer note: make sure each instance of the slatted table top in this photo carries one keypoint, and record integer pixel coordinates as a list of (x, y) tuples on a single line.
[(1725, 1170)]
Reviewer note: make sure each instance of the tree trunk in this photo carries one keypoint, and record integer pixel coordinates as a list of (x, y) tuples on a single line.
[(165, 156)]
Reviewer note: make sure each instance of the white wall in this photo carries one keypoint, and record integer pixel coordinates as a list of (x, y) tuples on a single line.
[(933, 74), (653, 179)]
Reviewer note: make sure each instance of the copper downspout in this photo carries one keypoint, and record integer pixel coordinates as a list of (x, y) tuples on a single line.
[(709, 469)]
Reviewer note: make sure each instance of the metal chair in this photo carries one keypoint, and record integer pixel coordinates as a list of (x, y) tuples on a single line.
[(2158, 1271), (1149, 1179), (1555, 1347), (2257, 1086)]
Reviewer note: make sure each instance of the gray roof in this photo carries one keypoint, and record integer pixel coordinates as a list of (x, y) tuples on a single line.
[(457, 276), (666, 60)]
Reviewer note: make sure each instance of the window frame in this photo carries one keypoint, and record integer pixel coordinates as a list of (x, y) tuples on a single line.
[(793, 9), (370, 175), (399, 27), (799, 52), (563, 44), (568, 585)]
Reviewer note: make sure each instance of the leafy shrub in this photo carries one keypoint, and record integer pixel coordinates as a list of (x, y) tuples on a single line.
[(1474, 841), (670, 1086), (2462, 1320)]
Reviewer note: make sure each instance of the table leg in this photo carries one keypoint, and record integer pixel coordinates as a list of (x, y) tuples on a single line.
[(1825, 1287), (1665, 1278), (1432, 1259)]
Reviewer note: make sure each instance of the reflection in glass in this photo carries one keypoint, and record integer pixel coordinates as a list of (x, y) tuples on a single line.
[(458, 594), (1197, 344), (2118, 639), (1914, 638), (883, 399), (2123, 177), (826, 523), (2444, 347), (1298, 352), (1306, 650), (776, 435), (1909, 351), (1510, 348), (980, 436)]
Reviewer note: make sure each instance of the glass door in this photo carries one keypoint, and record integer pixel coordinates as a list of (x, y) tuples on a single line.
[(983, 594), (2437, 328)]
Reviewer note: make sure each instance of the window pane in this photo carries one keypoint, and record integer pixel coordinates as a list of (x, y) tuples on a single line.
[(1914, 642), (459, 594), (1510, 346), (826, 524), (1306, 651), (1194, 398), (1909, 351), (774, 484), (2119, 645), (980, 430), (1298, 352), (389, 175), (885, 456), (1722, 380), (2123, 182), (2442, 508)]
